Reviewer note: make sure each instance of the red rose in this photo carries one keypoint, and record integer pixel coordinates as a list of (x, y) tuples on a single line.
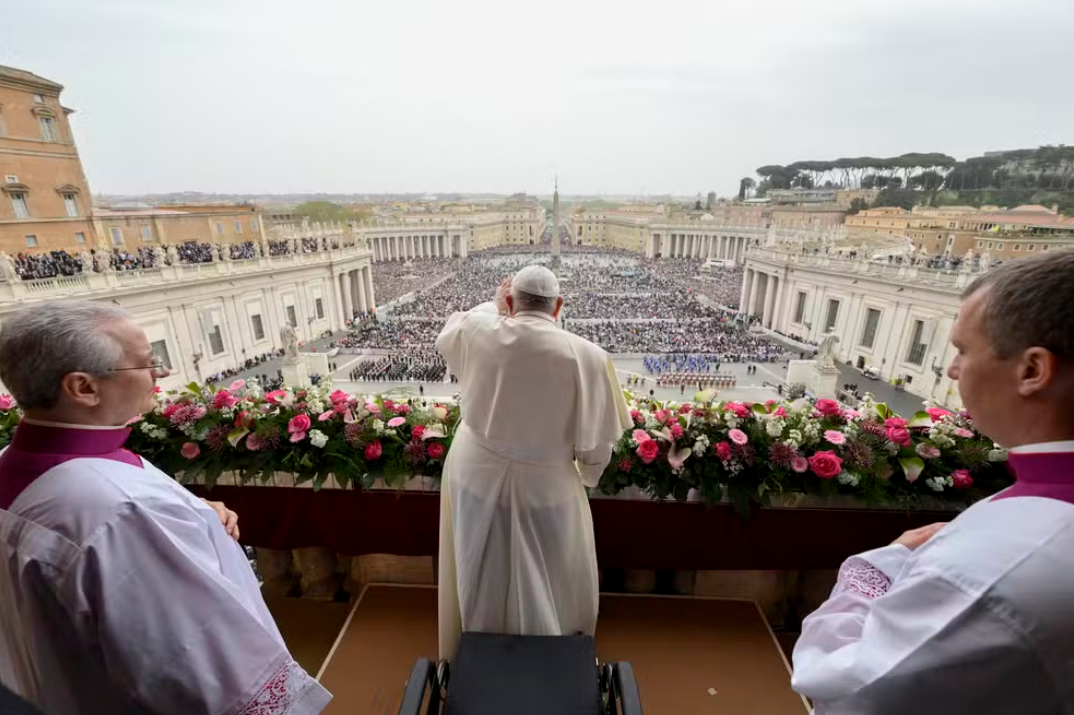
[(899, 435), (961, 479), (373, 450), (738, 408), (190, 450), (417, 432), (826, 464), (299, 423), (828, 408), (648, 450), (895, 422), (436, 450), (723, 451)]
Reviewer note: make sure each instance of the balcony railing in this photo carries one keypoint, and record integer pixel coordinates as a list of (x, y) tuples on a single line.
[(892, 272), (89, 283)]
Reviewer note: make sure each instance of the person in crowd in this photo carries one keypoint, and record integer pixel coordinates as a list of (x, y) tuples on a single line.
[(541, 410), (974, 616), (120, 592)]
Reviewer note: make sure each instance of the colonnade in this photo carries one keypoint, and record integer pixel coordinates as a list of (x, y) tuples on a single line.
[(704, 246), (762, 295), (356, 291), (406, 247)]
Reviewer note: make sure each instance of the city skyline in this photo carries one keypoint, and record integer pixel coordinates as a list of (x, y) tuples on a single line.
[(246, 98)]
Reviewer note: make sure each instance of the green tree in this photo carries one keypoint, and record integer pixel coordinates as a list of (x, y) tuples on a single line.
[(744, 186), (857, 205)]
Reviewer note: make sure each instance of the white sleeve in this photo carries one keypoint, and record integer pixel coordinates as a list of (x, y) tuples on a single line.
[(591, 463), (449, 342), (177, 634), (871, 625)]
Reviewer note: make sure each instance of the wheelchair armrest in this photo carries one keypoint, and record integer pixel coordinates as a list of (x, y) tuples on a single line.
[(422, 676), (627, 689)]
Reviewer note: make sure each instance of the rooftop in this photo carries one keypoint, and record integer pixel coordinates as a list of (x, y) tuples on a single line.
[(24, 77)]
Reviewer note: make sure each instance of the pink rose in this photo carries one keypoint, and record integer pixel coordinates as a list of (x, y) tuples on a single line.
[(236, 386), (961, 479), (828, 408), (223, 400), (396, 421), (835, 437), (275, 396), (851, 414), (676, 431), (637, 417), (189, 450), (253, 443), (325, 416), (826, 464), (780, 412), (799, 464), (388, 404), (297, 437), (338, 396), (299, 423), (417, 432), (436, 450), (894, 422), (723, 451), (963, 433), (6, 402), (738, 408), (373, 450), (372, 407), (170, 410), (937, 413), (648, 450), (640, 435), (738, 436), (899, 435), (662, 416)]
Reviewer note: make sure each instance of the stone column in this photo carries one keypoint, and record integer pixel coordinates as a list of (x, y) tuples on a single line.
[(752, 305), (345, 291), (367, 274), (358, 290), (777, 314), (770, 299), (747, 278)]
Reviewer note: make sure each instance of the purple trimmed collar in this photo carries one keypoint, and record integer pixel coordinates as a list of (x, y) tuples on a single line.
[(37, 448), (1041, 474)]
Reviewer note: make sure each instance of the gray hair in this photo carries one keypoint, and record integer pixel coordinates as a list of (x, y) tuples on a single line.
[(41, 344), (529, 301), (1030, 304)]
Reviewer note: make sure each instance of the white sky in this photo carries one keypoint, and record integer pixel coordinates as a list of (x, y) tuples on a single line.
[(676, 96)]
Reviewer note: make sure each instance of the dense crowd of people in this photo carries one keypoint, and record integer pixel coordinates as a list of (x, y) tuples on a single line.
[(394, 279), (727, 341), (391, 334), (34, 266), (421, 365), (247, 365)]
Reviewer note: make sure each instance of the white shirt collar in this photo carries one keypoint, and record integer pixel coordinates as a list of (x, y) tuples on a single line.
[(535, 314), (1045, 447), (67, 425)]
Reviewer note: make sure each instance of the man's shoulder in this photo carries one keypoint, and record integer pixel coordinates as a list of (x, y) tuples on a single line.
[(585, 347)]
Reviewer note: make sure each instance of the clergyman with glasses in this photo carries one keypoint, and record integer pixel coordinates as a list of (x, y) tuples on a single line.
[(120, 592)]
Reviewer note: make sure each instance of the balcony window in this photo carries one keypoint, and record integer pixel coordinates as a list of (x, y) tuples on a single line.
[(18, 205), (219, 228), (238, 227), (117, 235), (160, 349), (31, 241), (70, 204), (916, 355), (799, 309), (147, 233), (292, 319), (80, 238), (872, 322), (48, 129), (258, 327), (833, 315), (216, 341), (320, 308)]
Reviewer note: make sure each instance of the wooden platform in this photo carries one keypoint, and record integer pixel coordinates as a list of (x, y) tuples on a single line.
[(691, 655)]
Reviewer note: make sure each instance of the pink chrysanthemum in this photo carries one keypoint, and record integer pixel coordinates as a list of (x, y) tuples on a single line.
[(415, 452), (782, 453), (353, 434), (216, 439)]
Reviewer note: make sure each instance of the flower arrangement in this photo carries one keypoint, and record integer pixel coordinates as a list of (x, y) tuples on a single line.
[(750, 451), (746, 451), (312, 432)]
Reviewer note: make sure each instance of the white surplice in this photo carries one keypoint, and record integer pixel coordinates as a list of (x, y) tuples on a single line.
[(978, 620), (121, 593), (541, 411)]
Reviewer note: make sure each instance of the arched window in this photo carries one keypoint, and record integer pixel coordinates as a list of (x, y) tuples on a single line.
[(46, 119)]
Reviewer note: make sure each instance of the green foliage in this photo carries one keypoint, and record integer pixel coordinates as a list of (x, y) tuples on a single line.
[(329, 211)]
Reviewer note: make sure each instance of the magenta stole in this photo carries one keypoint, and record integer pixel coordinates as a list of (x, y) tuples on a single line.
[(1042, 474), (35, 449)]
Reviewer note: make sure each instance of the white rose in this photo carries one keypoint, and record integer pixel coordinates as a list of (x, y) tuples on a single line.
[(318, 438)]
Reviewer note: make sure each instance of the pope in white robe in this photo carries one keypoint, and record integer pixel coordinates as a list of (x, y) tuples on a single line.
[(541, 411)]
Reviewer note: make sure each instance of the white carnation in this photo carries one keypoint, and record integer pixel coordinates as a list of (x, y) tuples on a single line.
[(315, 406), (938, 483), (378, 426), (318, 438), (795, 436), (774, 428), (731, 420)]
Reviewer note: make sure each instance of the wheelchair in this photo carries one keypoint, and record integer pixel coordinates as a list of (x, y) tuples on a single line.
[(497, 674)]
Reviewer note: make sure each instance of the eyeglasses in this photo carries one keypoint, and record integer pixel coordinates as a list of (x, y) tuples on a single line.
[(157, 363)]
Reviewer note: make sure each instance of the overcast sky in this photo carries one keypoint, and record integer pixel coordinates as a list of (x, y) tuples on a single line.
[(617, 97)]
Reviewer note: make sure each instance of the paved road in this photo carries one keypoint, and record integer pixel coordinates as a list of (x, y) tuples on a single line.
[(270, 367)]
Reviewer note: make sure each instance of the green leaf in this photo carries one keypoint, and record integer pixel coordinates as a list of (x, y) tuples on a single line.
[(759, 409), (705, 396), (193, 388), (920, 419), (883, 410), (912, 467)]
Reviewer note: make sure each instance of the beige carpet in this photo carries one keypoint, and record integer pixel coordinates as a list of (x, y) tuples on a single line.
[(711, 657)]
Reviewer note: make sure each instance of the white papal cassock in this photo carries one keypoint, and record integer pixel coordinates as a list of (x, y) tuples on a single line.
[(121, 593), (517, 553), (979, 620)]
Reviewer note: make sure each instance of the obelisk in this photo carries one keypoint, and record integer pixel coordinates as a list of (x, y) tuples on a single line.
[(555, 220)]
